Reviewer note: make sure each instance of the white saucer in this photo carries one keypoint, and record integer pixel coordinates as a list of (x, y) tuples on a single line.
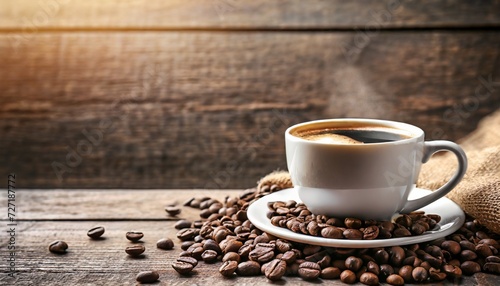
[(452, 218)]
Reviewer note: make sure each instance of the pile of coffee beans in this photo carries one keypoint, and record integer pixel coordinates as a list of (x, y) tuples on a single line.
[(224, 233), (297, 218)]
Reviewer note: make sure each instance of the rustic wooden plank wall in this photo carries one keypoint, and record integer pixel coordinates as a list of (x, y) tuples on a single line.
[(197, 94)]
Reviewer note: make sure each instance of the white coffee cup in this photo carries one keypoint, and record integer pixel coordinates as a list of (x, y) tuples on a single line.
[(367, 181)]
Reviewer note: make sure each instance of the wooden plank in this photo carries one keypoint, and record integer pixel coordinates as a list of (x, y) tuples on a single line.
[(239, 14), (105, 204), (208, 110)]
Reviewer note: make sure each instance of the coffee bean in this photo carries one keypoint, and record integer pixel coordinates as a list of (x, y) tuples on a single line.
[(452, 271), (147, 277), (406, 272), (187, 234), (186, 244), (58, 247), (353, 263), (397, 255), (165, 243), (248, 268), (381, 256), (433, 261), (134, 236), (261, 254), (231, 256), (232, 246), (309, 270), (371, 232), (135, 250), (470, 267), (172, 210), (182, 267), (404, 220), (419, 228), (492, 267), (181, 224), (483, 250), (373, 267), (187, 203), (352, 233), (95, 232), (196, 250), (210, 244), (275, 269), (401, 232), (331, 232), (494, 259), (468, 255), (451, 246), (348, 277), (209, 256), (228, 268), (419, 274), (330, 273), (353, 223), (436, 274), (395, 279), (490, 242), (369, 278)]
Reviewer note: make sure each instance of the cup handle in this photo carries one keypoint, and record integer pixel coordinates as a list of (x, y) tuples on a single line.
[(431, 147)]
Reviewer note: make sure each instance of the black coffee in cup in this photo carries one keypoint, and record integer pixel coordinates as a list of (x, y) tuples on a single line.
[(353, 135)]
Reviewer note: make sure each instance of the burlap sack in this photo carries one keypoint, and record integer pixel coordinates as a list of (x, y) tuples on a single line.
[(479, 191)]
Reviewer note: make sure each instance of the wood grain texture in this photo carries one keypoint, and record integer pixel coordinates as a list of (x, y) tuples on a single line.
[(238, 14), (208, 109), (104, 262), (110, 205)]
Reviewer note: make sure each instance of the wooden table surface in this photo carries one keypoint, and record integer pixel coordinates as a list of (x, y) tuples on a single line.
[(42, 216)]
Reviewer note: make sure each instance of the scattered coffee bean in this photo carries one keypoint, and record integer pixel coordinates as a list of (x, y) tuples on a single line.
[(419, 274), (184, 265), (369, 278), (147, 277), (95, 232), (228, 268), (135, 250), (165, 243), (181, 224), (275, 269), (309, 270), (187, 234), (248, 268), (348, 277), (231, 256), (494, 259), (406, 272), (395, 279), (436, 274), (330, 273), (209, 256), (452, 271), (470, 267), (172, 210), (58, 247), (451, 246), (353, 263), (492, 267), (134, 236)]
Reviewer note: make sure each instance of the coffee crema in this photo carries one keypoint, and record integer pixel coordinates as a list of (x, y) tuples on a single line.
[(353, 135)]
